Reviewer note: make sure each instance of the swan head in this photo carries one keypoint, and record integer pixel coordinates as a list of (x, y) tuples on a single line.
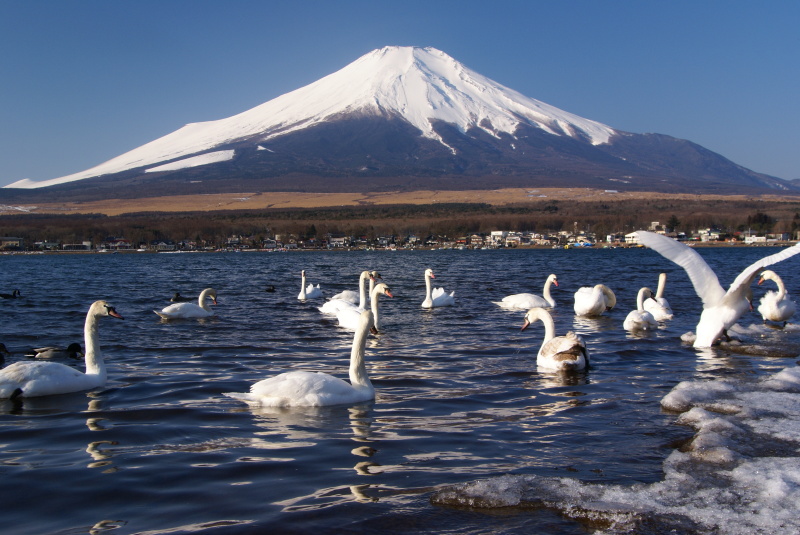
[(533, 315), (374, 275), (552, 278), (210, 292), (767, 275), (382, 289), (429, 273), (102, 308)]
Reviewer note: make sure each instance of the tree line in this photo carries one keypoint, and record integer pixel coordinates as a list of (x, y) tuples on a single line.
[(445, 219)]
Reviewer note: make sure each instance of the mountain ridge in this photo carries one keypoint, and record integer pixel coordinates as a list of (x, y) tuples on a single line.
[(405, 117)]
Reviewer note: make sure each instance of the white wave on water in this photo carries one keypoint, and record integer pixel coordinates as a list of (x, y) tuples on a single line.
[(738, 475)]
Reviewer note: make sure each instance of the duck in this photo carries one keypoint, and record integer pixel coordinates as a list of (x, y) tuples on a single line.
[(312, 292), (178, 298), (349, 317), (190, 310), (775, 306), (640, 319), (525, 301), (721, 308), (658, 306), (72, 351), (43, 378), (558, 353), (270, 289), (13, 295), (316, 389), (594, 300), (437, 297), (4, 352)]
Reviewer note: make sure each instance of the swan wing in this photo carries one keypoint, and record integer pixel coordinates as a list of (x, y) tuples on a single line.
[(442, 298), (183, 310), (705, 281), (347, 295), (523, 301), (35, 378), (302, 389)]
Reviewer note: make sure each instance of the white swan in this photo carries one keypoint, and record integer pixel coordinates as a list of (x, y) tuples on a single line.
[(42, 378), (349, 298), (312, 292), (640, 319), (437, 297), (594, 300), (559, 353), (349, 318), (190, 310), (53, 352), (721, 309), (658, 306), (775, 306), (310, 389), (525, 301)]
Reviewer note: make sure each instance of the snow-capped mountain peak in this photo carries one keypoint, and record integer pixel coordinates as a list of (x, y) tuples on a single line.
[(419, 85)]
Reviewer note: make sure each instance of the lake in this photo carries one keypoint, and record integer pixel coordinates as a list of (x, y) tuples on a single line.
[(465, 434)]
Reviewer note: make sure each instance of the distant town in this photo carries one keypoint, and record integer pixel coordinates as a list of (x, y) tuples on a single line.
[(493, 240)]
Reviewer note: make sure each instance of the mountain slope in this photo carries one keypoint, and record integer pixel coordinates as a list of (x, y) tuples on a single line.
[(401, 116)]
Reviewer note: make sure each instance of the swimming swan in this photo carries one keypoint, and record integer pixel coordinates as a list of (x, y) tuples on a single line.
[(640, 319), (312, 292), (310, 389), (525, 301), (350, 318), (349, 298), (594, 300), (42, 378), (437, 297), (721, 309), (190, 310), (775, 306), (558, 353), (658, 306)]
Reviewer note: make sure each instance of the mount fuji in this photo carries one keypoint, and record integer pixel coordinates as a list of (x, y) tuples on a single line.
[(404, 118)]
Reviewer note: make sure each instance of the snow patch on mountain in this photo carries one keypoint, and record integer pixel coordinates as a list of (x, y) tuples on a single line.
[(194, 161), (419, 85)]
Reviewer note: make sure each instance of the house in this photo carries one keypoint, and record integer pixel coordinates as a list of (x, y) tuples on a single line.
[(9, 243)]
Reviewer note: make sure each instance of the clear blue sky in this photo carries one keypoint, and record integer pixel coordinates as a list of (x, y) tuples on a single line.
[(82, 81)]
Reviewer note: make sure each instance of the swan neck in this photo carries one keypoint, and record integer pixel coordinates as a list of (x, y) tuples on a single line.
[(201, 301), (781, 287), (427, 286), (662, 283), (358, 369), (640, 300), (92, 357), (362, 298), (374, 307), (546, 292)]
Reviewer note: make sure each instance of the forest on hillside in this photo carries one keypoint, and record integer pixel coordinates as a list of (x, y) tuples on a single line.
[(371, 221)]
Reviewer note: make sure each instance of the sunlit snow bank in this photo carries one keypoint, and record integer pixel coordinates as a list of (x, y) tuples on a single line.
[(740, 474), (194, 161)]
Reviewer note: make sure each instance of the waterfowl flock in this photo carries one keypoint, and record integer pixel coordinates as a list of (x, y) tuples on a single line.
[(359, 312)]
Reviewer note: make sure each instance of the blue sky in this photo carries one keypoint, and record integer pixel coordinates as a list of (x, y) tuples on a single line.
[(83, 81)]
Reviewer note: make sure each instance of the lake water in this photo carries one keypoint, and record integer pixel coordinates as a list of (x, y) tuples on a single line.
[(465, 435)]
